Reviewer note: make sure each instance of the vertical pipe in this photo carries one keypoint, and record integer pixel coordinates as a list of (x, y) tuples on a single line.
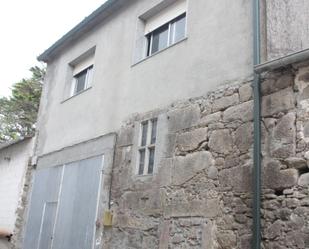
[(256, 242)]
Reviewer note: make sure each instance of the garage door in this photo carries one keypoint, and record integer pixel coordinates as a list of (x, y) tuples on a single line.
[(64, 204)]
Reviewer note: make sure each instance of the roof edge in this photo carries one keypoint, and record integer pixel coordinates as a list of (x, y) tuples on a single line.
[(13, 142), (78, 30)]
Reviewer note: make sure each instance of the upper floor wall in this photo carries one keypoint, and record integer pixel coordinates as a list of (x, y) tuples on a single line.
[(216, 50), (287, 27)]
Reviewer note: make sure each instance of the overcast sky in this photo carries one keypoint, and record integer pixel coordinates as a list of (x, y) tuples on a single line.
[(29, 27)]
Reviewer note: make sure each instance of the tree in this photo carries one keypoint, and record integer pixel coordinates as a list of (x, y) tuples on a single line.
[(18, 113)]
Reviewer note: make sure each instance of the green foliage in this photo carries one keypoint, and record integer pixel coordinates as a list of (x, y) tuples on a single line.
[(18, 113)]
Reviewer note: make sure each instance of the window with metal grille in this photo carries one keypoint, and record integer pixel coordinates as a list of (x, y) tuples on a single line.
[(147, 147)]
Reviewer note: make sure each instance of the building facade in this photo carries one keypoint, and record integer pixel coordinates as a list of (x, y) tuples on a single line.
[(145, 131), (15, 172)]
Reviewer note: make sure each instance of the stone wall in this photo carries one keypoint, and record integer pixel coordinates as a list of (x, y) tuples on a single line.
[(21, 211), (200, 196)]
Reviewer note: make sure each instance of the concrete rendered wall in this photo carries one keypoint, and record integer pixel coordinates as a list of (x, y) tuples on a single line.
[(200, 196), (287, 27), (13, 167), (217, 51)]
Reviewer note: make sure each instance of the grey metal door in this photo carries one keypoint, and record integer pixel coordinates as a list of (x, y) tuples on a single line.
[(47, 225), (67, 218), (45, 189)]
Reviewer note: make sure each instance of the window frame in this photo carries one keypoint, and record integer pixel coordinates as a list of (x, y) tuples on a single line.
[(170, 36), (88, 80), (147, 147)]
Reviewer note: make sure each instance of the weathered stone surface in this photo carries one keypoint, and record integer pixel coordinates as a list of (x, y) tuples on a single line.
[(227, 239), (187, 167), (212, 173), (208, 236), (238, 178), (196, 208), (224, 102), (126, 220), (295, 239), (283, 137), (279, 150), (211, 118), (277, 179), (276, 83), (150, 242), (125, 137), (276, 245), (304, 77), (170, 144), (164, 175), (304, 94), (296, 162), (306, 155), (288, 191), (306, 129), (244, 137), (242, 112), (304, 180), (246, 241), (274, 230), (203, 198), (285, 130), (183, 118), (191, 140), (164, 231), (245, 92), (148, 202), (221, 141), (232, 161), (280, 101)]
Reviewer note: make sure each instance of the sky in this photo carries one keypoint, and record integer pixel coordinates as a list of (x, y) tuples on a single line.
[(30, 27)]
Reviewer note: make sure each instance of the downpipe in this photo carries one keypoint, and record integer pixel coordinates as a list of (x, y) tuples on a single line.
[(256, 240)]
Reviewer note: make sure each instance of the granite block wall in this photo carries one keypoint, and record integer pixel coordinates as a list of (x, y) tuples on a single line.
[(200, 195)]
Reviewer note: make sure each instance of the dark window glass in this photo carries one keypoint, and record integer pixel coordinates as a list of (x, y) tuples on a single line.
[(80, 81), (153, 131), (159, 39), (151, 160), (141, 162), (83, 79), (144, 133), (178, 28), (166, 35)]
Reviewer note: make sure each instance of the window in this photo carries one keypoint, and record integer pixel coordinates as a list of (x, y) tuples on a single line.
[(146, 148), (166, 35), (82, 69), (82, 80)]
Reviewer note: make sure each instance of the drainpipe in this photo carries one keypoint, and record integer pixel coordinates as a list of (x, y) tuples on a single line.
[(256, 241)]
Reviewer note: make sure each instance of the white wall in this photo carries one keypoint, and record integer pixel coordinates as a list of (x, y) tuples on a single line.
[(4, 244), (13, 163)]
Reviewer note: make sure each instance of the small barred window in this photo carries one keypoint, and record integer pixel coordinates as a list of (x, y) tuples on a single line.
[(147, 147)]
